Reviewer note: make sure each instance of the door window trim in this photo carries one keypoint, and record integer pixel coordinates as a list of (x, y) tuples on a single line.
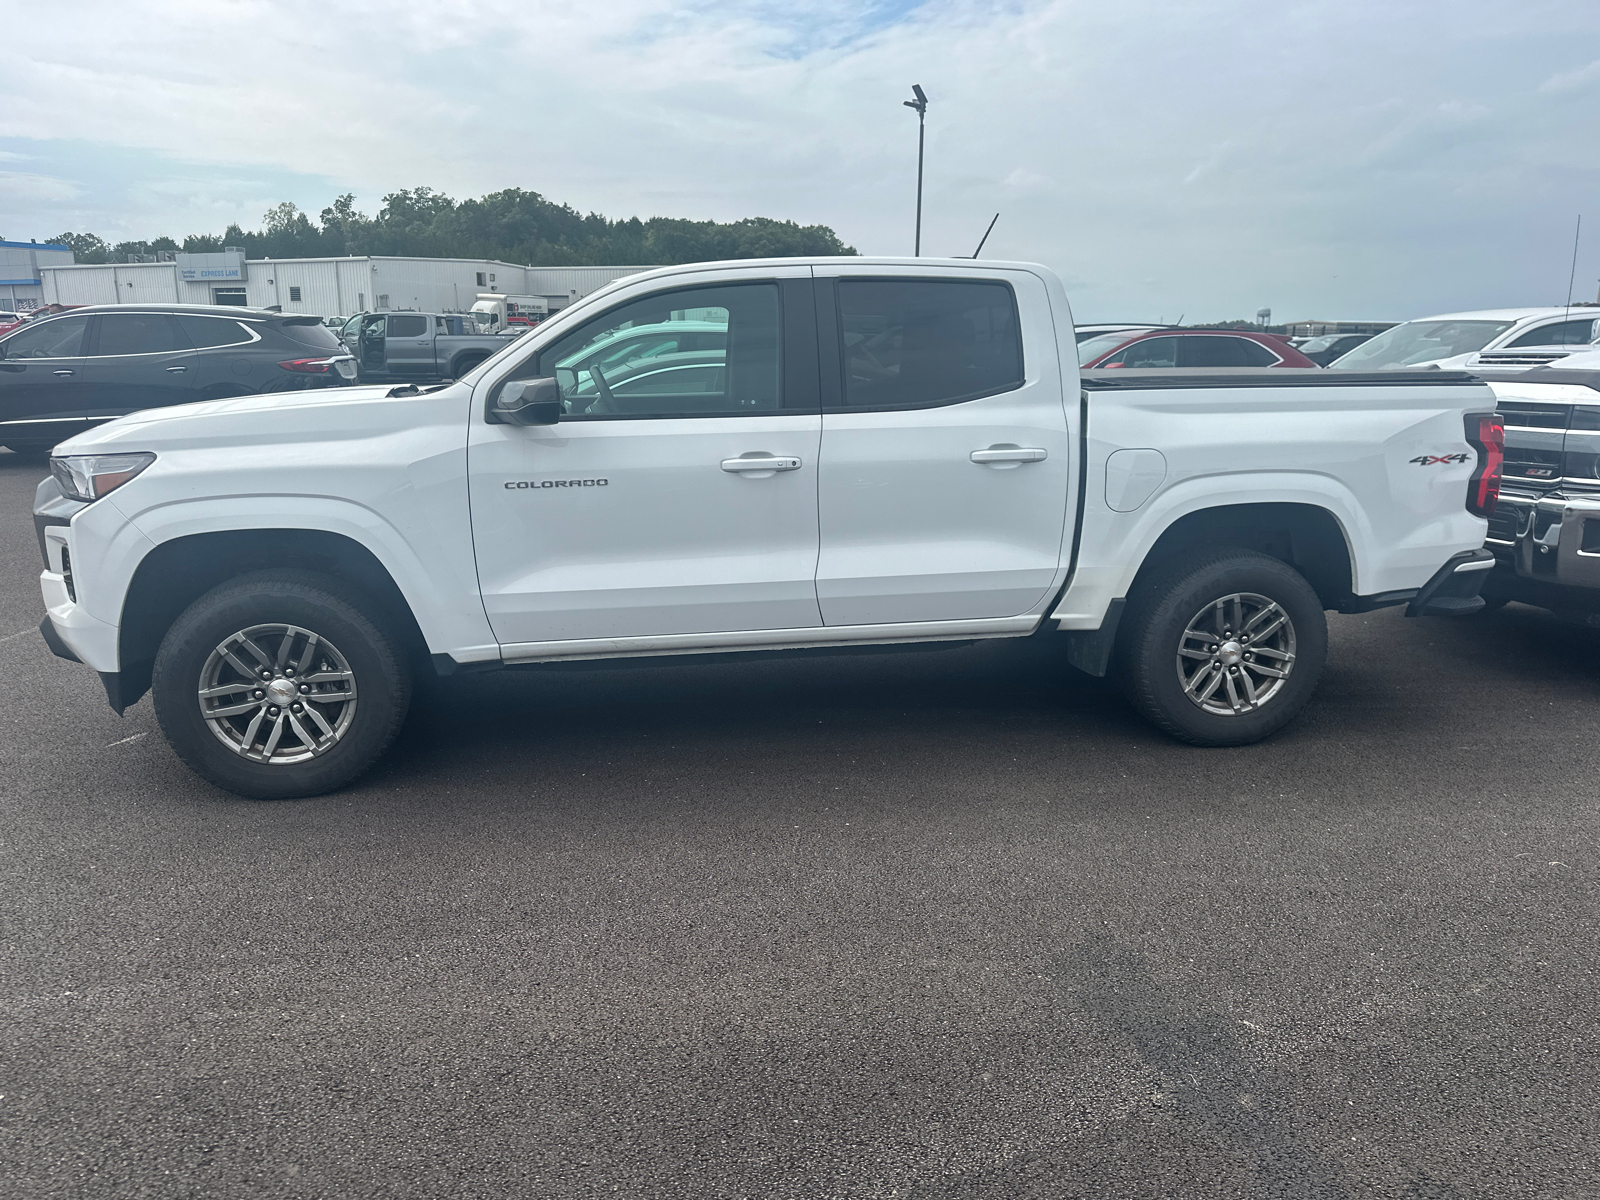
[(830, 315)]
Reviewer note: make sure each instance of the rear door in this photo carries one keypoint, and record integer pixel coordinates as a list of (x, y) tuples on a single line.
[(408, 348), (137, 360), (943, 490)]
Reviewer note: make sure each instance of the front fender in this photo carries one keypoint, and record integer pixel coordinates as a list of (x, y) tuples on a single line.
[(435, 574)]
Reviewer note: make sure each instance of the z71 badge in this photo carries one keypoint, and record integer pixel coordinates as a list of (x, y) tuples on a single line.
[(1428, 460)]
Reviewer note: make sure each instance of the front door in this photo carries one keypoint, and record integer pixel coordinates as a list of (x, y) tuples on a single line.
[(946, 462), (371, 343), (678, 493), (42, 381)]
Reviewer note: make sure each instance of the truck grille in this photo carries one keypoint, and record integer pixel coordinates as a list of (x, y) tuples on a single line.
[(1530, 415), (1535, 466)]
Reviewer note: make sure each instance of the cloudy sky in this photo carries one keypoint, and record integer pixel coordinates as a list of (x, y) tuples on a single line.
[(1368, 158)]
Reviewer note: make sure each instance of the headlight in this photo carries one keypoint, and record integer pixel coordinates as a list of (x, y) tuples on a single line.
[(90, 476)]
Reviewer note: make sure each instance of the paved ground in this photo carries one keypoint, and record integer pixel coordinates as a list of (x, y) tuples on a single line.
[(946, 925)]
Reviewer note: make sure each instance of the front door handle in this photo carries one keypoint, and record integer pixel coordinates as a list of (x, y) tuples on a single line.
[(768, 463), (1010, 454), (63, 373), (176, 370)]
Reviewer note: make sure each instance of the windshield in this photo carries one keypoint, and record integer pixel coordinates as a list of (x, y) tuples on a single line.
[(1420, 342), (1103, 343)]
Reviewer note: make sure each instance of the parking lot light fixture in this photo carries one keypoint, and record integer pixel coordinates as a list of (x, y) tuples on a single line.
[(921, 105)]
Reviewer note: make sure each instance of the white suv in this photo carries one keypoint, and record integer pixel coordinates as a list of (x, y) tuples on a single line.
[(1499, 337)]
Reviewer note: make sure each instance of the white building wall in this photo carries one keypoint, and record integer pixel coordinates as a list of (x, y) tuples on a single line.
[(333, 286), (80, 285), (563, 285)]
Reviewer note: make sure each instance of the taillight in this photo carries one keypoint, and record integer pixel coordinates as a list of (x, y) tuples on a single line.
[(310, 366), (1487, 434)]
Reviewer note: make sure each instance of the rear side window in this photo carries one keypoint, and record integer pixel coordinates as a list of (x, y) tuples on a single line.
[(138, 333), (913, 343), (407, 325), (1564, 333), (1205, 351), (312, 333), (205, 332), (55, 337)]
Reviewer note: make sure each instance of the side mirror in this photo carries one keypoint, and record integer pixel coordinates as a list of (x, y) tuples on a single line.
[(527, 402)]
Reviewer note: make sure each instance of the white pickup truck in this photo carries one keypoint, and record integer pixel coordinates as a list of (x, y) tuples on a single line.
[(757, 456)]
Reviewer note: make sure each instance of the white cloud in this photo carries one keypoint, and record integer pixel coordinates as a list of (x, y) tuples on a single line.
[(1569, 81), (1214, 158), (18, 188)]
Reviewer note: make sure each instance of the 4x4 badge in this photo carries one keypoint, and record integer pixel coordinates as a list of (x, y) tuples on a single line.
[(1428, 460)]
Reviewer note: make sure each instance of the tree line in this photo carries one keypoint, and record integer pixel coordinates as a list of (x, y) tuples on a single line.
[(513, 226)]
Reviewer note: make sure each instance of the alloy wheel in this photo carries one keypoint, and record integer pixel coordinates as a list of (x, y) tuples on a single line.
[(277, 694), (1236, 654)]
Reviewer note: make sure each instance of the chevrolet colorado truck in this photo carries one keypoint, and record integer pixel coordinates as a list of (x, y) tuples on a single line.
[(782, 455)]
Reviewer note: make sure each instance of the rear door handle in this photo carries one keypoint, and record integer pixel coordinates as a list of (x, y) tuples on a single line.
[(63, 372), (760, 462), (1010, 454), (175, 370)]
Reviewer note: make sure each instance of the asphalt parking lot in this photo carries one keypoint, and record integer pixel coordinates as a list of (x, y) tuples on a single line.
[(937, 925)]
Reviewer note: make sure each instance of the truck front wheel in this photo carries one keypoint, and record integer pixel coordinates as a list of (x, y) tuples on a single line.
[(1223, 647), (276, 685)]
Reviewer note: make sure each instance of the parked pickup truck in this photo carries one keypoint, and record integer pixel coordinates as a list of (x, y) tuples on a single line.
[(849, 452), (1545, 531), (391, 346)]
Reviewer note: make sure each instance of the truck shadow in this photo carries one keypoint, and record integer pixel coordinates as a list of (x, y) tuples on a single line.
[(783, 711)]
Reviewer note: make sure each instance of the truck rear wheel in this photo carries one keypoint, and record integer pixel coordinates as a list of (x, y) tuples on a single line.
[(1223, 646), (275, 685)]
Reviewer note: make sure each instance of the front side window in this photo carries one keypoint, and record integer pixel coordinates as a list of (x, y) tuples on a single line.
[(912, 343), (58, 337), (1092, 348), (1563, 333), (711, 351), (1146, 354), (204, 332)]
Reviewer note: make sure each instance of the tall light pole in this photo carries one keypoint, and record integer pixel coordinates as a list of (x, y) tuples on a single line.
[(921, 105)]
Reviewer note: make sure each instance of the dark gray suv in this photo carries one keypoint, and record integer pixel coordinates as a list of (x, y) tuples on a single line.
[(81, 368)]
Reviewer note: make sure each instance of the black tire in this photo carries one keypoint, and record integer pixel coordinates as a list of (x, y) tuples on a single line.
[(465, 363), (311, 603), (1176, 595)]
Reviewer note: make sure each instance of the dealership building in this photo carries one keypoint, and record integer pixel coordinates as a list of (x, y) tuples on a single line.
[(325, 287), (21, 272)]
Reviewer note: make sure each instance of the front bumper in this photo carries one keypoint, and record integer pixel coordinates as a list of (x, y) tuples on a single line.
[(1552, 540)]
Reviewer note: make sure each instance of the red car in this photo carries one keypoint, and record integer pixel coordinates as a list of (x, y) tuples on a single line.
[(1189, 348)]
